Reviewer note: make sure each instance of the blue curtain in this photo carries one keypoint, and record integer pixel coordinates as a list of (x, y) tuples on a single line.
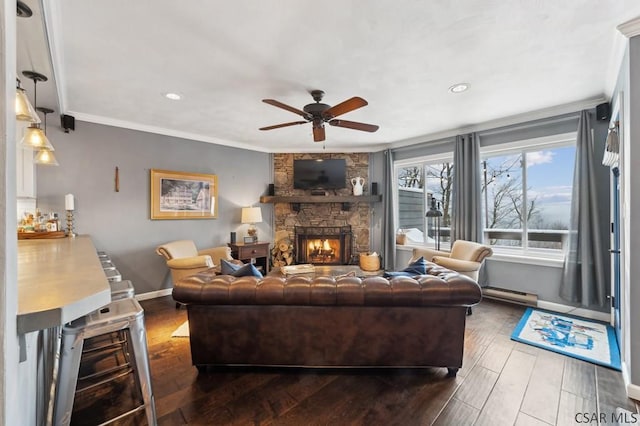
[(583, 275), (388, 225), (466, 210)]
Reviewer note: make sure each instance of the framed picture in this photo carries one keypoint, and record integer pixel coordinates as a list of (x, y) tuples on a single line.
[(249, 240), (180, 195)]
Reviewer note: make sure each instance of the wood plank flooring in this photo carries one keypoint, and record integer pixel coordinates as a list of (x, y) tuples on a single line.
[(502, 382)]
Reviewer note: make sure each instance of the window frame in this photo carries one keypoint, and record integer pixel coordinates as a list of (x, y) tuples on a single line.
[(422, 162), (523, 146)]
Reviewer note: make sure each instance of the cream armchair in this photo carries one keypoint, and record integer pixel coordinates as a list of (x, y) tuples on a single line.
[(465, 257), (184, 259)]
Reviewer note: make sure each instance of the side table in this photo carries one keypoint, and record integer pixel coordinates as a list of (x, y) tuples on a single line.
[(248, 251)]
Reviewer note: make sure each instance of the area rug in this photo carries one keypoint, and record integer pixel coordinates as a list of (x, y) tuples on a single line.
[(182, 331), (575, 337)]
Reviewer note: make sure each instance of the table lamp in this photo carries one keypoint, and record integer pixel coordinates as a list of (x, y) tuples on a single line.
[(252, 215)]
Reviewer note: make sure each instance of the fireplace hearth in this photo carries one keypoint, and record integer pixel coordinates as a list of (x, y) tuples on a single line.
[(323, 245)]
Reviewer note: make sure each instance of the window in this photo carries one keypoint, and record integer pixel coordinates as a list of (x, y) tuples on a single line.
[(417, 183), (526, 190)]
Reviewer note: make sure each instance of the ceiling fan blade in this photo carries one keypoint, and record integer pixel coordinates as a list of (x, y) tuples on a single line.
[(318, 133), (344, 107), (277, 126), (354, 125), (287, 107)]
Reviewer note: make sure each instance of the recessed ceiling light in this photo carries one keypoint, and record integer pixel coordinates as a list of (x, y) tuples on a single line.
[(458, 88), (173, 96)]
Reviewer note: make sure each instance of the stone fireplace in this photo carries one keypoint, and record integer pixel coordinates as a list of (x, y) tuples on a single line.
[(357, 217), (323, 245)]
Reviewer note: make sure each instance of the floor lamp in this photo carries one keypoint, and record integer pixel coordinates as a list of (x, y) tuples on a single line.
[(434, 214)]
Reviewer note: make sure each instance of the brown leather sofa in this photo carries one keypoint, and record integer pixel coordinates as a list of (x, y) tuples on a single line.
[(327, 322)]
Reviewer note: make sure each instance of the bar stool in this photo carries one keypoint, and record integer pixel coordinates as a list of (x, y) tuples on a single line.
[(123, 314), (103, 255), (107, 265), (121, 290), (113, 275)]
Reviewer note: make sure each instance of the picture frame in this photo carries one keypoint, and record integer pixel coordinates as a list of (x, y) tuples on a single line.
[(249, 240), (183, 195)]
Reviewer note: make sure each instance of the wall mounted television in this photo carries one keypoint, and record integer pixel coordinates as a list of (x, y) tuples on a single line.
[(320, 174)]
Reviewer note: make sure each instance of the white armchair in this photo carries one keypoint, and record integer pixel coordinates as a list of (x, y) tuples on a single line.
[(184, 259), (465, 257)]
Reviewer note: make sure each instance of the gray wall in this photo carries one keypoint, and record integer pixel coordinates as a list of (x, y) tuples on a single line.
[(119, 222)]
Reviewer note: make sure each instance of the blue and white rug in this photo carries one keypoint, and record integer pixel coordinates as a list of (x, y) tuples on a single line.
[(575, 337)]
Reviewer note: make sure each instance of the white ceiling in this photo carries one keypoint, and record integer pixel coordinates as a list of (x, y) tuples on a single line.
[(114, 60)]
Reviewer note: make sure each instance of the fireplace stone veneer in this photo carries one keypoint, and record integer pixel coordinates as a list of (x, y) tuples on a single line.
[(323, 245)]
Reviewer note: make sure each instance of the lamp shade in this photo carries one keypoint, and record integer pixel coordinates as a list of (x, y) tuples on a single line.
[(45, 157), (251, 215), (24, 109), (35, 138)]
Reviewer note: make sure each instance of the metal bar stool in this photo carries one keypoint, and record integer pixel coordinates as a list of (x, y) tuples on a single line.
[(107, 265), (123, 314), (113, 275), (119, 290), (103, 255)]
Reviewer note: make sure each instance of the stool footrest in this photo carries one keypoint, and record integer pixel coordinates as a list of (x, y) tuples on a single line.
[(102, 373)]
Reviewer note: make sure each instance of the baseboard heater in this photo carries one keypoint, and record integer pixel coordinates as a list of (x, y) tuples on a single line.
[(512, 296)]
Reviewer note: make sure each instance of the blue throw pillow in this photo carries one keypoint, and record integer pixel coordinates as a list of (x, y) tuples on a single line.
[(392, 274), (419, 267), (228, 268), (247, 270)]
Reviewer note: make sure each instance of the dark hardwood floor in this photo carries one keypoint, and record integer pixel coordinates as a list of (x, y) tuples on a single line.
[(502, 382)]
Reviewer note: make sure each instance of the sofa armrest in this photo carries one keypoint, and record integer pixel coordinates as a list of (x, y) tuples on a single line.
[(457, 264), (191, 262), (427, 253)]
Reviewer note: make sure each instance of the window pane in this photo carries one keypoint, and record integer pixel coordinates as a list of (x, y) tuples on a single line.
[(411, 202), (503, 200), (549, 189)]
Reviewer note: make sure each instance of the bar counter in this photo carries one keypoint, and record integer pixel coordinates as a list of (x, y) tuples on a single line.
[(59, 280)]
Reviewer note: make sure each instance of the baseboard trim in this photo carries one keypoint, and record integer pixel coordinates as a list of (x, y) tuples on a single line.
[(633, 391), (580, 312), (154, 294)]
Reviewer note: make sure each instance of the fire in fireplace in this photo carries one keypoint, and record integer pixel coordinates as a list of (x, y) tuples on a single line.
[(323, 245)]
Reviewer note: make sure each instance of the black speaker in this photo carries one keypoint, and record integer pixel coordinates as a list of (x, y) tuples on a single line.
[(374, 188), (271, 190), (603, 112), (68, 122), (232, 237)]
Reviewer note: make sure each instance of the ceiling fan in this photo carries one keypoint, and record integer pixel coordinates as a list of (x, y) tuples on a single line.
[(319, 113)]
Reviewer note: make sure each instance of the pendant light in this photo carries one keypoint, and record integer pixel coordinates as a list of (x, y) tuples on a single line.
[(24, 109), (45, 156), (34, 137)]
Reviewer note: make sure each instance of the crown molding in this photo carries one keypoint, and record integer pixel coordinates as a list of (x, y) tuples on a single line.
[(630, 28), (503, 122)]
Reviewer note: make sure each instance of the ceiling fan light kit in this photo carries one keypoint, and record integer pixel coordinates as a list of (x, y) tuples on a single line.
[(319, 113)]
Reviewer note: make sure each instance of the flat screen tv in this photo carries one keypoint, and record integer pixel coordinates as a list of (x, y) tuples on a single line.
[(319, 174)]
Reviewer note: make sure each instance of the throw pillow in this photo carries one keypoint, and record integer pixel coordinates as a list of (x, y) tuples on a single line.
[(419, 267), (247, 270), (228, 268)]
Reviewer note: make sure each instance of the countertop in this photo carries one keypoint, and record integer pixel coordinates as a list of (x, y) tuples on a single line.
[(59, 280)]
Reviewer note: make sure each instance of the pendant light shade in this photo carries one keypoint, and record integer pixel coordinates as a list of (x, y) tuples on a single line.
[(45, 157), (24, 109), (35, 138)]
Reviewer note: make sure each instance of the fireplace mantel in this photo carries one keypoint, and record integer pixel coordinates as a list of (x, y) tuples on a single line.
[(296, 200)]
